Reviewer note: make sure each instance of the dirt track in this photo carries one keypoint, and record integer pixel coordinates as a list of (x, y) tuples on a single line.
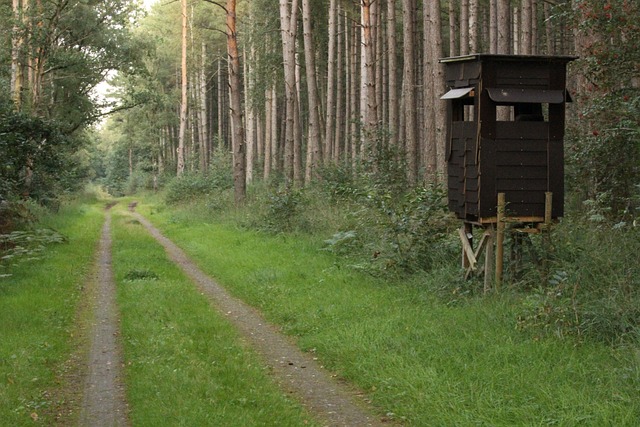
[(104, 404), (298, 373)]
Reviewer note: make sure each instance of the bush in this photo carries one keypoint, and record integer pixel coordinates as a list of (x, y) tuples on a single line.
[(192, 185), (593, 289), (284, 209)]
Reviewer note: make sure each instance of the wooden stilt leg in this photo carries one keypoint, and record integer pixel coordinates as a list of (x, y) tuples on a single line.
[(500, 240), (488, 258)]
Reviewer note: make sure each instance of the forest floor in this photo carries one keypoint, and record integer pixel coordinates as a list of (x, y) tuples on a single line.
[(297, 373)]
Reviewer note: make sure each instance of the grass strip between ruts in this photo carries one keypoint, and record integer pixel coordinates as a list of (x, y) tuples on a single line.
[(184, 363)]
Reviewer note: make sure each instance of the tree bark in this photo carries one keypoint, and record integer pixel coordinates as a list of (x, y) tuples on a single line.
[(370, 113), (464, 27), (392, 45), (331, 116), (503, 9), (239, 166), (313, 143), (184, 98), (408, 89), (288, 21)]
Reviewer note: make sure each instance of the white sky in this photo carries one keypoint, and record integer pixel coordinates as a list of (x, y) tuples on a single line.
[(148, 3)]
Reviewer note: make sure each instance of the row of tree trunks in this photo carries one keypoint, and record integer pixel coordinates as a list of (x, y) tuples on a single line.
[(305, 121)]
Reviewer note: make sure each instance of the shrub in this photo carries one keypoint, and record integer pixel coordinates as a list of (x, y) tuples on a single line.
[(593, 289), (191, 185), (284, 208)]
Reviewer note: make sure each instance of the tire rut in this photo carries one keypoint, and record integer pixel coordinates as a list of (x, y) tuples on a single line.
[(334, 403), (104, 403)]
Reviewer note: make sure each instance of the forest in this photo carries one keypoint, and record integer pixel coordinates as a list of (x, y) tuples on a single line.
[(297, 151), (312, 106)]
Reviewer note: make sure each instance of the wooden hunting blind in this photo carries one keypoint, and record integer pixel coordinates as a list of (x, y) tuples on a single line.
[(506, 116)]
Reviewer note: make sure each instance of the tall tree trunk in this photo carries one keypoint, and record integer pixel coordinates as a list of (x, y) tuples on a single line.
[(430, 101), (493, 26), (184, 98), (249, 117), (239, 171), (353, 129), (392, 45), (330, 116), (203, 123), (370, 113), (17, 42), (464, 27), (440, 107), (313, 143), (288, 26), (474, 31), (338, 110), (453, 29), (527, 27), (503, 9), (408, 90), (267, 134)]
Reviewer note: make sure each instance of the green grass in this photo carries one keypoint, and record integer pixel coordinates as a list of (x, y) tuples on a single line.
[(424, 361), (185, 364), (38, 305)]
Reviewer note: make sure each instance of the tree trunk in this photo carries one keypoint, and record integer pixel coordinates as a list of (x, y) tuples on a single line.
[(353, 129), (17, 42), (408, 89), (183, 87), (288, 21), (203, 123), (330, 117), (337, 113), (368, 95), (239, 178), (249, 117), (430, 102), (474, 45), (453, 29), (392, 46), (313, 143), (464, 27), (503, 9), (493, 26)]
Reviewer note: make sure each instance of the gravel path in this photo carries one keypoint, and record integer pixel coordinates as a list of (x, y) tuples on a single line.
[(298, 373), (104, 403)]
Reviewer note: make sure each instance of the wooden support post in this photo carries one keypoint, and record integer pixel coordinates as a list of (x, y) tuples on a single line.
[(548, 205), (468, 257), (500, 240), (488, 258)]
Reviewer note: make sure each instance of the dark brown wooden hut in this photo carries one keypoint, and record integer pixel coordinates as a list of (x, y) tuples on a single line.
[(505, 135)]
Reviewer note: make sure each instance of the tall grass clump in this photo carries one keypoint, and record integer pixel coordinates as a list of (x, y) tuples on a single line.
[(592, 288)]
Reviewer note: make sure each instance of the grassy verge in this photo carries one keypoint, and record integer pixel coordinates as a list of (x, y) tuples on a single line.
[(38, 305), (185, 364), (423, 361)]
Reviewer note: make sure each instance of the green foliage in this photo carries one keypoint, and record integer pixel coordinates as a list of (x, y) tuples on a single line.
[(284, 211), (20, 246), (593, 289), (192, 185), (140, 274), (604, 144), (399, 230)]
